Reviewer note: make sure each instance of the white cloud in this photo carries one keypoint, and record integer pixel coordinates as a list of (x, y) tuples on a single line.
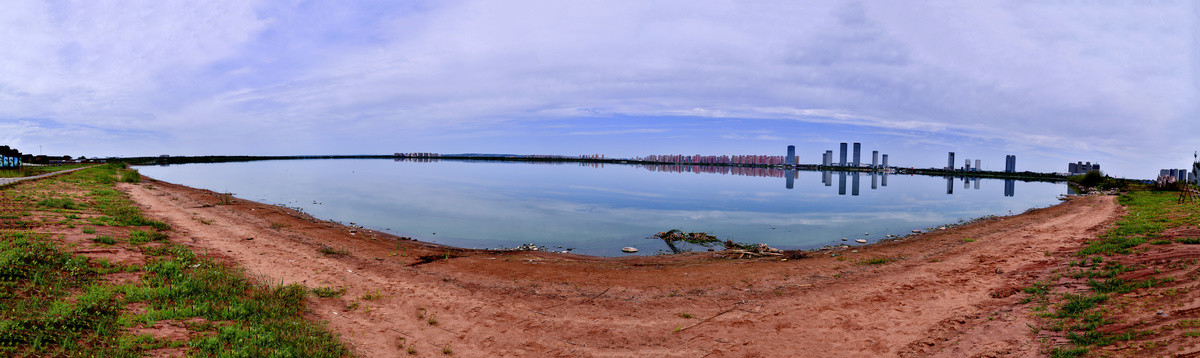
[(1112, 77)]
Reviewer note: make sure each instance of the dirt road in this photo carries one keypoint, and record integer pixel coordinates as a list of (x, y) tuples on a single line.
[(946, 293)]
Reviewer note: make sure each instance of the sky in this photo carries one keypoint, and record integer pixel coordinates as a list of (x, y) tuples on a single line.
[(1113, 82)]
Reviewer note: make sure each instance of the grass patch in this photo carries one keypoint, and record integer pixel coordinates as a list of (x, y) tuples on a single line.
[(876, 261), (53, 304), (60, 203), (140, 237), (330, 251), (104, 239), (1188, 240), (328, 292)]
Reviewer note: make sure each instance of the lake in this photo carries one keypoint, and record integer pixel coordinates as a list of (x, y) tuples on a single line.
[(598, 209)]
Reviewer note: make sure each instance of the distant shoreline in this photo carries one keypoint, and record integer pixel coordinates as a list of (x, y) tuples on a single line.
[(1022, 176)]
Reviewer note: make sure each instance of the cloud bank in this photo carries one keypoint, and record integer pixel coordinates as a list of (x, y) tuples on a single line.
[(1113, 82)]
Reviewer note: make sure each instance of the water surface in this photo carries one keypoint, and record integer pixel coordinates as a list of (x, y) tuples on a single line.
[(599, 209)]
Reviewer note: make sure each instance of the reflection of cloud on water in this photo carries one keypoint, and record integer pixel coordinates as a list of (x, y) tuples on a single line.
[(617, 191)]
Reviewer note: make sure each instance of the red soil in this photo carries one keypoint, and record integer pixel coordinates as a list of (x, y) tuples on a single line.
[(938, 295)]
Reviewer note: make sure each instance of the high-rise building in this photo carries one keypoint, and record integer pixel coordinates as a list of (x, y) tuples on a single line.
[(857, 155), (791, 155), (966, 165), (828, 158), (874, 159), (1010, 164), (842, 162), (950, 162), (885, 164)]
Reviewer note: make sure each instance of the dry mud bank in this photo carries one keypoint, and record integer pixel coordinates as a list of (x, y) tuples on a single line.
[(948, 293)]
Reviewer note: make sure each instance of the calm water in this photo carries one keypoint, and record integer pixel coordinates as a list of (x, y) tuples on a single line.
[(598, 210)]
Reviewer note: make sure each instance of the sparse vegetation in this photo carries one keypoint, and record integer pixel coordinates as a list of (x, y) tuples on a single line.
[(330, 251), (56, 303), (328, 292)]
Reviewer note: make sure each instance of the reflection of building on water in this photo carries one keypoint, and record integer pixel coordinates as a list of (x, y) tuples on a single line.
[(841, 183), (1009, 187), (854, 186), (791, 181), (874, 181), (709, 169), (827, 178), (950, 184)]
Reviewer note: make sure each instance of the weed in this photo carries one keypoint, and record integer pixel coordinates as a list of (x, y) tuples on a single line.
[(278, 226), (875, 261), (446, 350), (1077, 304), (432, 321), (104, 239), (332, 251), (968, 240), (89, 230), (131, 176), (1061, 352), (1191, 334), (328, 292), (141, 237), (371, 296), (60, 203), (1188, 240), (412, 349)]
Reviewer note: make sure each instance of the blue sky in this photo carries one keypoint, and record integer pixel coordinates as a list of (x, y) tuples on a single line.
[(1051, 82)]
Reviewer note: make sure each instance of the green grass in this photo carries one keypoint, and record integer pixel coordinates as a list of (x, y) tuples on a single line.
[(141, 237), (1149, 213), (104, 239), (328, 292), (60, 203), (55, 303)]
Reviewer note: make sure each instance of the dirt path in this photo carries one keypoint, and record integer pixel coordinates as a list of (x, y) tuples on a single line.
[(947, 293)]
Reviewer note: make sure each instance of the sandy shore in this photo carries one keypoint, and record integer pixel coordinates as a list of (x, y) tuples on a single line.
[(949, 293)]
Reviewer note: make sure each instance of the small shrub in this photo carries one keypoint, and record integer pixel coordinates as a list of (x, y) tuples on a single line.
[(89, 230), (104, 239)]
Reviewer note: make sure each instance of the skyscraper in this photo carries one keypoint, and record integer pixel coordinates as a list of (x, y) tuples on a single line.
[(842, 162), (874, 159), (791, 155), (857, 154), (950, 162)]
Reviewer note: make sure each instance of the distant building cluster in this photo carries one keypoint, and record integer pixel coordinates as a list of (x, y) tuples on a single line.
[(1082, 168), (12, 158), (718, 159), (592, 156), (418, 155), (1178, 175), (9, 157), (855, 161)]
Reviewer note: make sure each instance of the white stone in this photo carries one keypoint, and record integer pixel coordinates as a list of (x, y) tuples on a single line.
[(629, 249)]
